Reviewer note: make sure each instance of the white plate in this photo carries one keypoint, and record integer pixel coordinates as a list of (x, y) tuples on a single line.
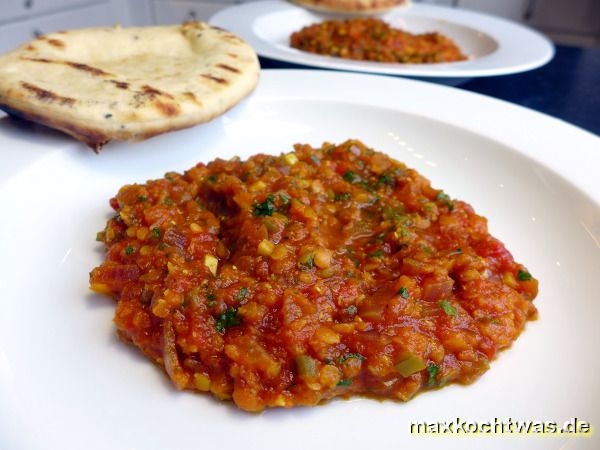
[(494, 45), (67, 383)]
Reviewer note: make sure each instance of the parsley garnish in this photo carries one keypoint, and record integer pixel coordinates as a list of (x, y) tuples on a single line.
[(168, 201), (241, 295), (445, 199), (142, 198), (349, 176), (211, 296), (212, 179), (129, 250), (352, 310), (156, 232), (346, 382), (386, 179), (350, 355), (524, 276), (284, 199), (309, 262), (433, 370), (266, 208), (403, 292), (342, 196), (228, 319), (447, 307), (376, 254)]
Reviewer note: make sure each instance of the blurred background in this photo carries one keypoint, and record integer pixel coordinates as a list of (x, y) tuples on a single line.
[(571, 22)]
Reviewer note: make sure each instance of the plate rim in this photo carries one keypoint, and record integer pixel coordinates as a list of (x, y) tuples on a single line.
[(467, 69), (483, 115)]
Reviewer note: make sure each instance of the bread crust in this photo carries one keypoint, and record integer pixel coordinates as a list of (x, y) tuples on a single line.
[(69, 82), (352, 6)]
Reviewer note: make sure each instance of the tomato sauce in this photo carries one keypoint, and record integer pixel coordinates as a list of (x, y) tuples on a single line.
[(371, 39), (287, 280)]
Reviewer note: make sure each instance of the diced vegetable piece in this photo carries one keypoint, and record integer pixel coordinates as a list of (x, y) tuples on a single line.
[(290, 158), (322, 258), (411, 364), (202, 382), (266, 247), (435, 289), (212, 263), (306, 366)]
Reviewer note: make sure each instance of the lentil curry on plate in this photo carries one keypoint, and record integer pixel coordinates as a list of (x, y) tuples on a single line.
[(372, 39), (332, 271)]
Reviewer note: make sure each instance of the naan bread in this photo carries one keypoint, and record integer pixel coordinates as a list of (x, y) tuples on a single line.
[(352, 6), (100, 84)]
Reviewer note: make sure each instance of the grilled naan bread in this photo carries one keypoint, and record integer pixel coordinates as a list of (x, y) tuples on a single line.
[(352, 6), (108, 83)]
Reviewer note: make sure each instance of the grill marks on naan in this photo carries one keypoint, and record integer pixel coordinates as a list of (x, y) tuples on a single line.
[(75, 65), (47, 96), (96, 95)]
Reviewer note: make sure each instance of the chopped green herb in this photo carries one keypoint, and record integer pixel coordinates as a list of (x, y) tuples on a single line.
[(386, 179), (212, 179), (495, 321), (129, 250), (211, 296), (445, 199), (228, 319), (212, 304), (447, 307), (350, 355), (266, 208), (309, 261), (168, 201), (346, 382), (376, 254), (352, 310), (349, 176), (342, 196), (241, 295), (284, 199), (315, 159), (327, 361), (156, 232), (424, 248), (142, 198), (162, 246), (458, 251), (433, 370), (403, 292), (524, 276)]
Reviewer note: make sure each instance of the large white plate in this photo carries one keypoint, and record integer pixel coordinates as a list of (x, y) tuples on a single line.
[(67, 383), (494, 45)]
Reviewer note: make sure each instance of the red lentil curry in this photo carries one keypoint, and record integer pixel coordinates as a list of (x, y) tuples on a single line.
[(371, 39), (283, 281)]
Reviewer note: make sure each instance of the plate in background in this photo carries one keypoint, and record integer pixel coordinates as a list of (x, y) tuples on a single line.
[(494, 45)]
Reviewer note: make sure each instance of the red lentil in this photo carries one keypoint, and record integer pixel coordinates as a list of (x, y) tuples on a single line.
[(282, 281)]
